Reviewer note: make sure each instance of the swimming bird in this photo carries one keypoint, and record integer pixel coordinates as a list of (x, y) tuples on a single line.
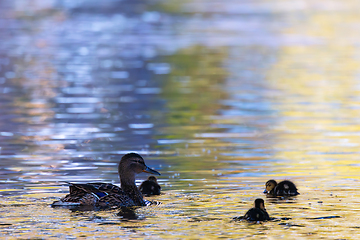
[(104, 195), (257, 213), (150, 186), (283, 188)]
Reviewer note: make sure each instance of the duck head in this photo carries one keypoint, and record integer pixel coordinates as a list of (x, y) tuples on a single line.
[(152, 178), (259, 203), (270, 185), (130, 165)]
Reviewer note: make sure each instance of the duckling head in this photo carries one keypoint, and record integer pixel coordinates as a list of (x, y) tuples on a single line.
[(130, 165), (270, 185), (152, 178), (259, 203)]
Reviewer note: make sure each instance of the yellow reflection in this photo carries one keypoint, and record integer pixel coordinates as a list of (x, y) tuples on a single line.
[(317, 102)]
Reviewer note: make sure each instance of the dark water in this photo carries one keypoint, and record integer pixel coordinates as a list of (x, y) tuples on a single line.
[(217, 96)]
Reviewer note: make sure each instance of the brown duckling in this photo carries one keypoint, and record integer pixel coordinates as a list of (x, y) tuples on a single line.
[(283, 188), (103, 195), (150, 186), (257, 213)]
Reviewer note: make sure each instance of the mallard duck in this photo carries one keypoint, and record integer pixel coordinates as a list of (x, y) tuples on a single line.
[(150, 186), (102, 195), (283, 188), (257, 213)]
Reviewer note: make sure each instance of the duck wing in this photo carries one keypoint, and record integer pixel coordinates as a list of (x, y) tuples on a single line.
[(98, 195), (108, 195), (99, 189)]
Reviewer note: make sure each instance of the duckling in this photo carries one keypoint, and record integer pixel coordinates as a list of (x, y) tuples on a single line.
[(104, 195), (257, 213), (150, 186), (284, 188)]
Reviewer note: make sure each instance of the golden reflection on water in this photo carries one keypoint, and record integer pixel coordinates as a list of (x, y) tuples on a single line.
[(318, 115), (206, 214)]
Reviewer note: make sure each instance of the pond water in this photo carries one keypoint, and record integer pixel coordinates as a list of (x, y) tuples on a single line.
[(218, 96)]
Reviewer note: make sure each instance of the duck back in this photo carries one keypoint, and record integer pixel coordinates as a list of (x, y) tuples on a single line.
[(256, 214), (286, 188)]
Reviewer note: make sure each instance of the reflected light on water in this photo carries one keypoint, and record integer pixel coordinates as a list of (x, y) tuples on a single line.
[(218, 96)]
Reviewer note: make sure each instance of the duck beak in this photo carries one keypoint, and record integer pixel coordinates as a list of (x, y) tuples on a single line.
[(265, 191), (149, 170)]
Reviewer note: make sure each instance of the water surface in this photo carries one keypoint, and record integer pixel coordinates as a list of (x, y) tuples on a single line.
[(218, 97)]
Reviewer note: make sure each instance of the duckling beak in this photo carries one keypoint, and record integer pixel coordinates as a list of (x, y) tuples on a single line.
[(149, 170), (265, 191)]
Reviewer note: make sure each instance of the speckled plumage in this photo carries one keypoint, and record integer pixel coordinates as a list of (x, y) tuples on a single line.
[(150, 187), (104, 195), (283, 188)]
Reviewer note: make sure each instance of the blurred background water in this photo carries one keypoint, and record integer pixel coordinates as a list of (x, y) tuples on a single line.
[(219, 96)]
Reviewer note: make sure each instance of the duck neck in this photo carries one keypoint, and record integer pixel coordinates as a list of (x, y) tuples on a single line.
[(129, 187)]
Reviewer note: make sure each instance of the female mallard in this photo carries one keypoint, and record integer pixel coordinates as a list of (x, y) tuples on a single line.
[(150, 186), (257, 213), (102, 195), (284, 188)]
